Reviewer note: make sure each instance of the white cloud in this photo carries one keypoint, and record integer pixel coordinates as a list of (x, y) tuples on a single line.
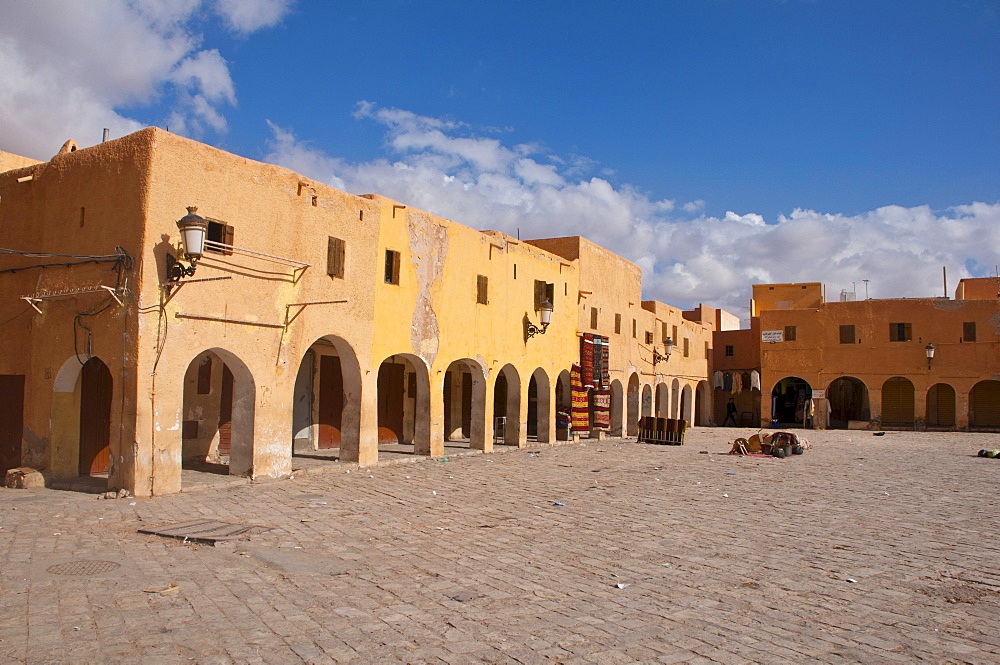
[(440, 166), (69, 69)]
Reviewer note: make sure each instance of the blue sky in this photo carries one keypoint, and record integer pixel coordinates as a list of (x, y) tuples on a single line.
[(714, 143)]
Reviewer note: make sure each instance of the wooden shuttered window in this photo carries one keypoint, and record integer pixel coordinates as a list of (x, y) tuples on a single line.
[(544, 291), (687, 347), (618, 324), (335, 255), (220, 232), (847, 334), (790, 333), (391, 267), (482, 290), (593, 318), (900, 332), (969, 331)]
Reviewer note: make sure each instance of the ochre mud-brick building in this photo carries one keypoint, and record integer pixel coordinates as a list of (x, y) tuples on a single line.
[(315, 319), (909, 363)]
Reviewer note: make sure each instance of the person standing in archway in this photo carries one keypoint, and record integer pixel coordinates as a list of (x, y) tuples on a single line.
[(730, 413)]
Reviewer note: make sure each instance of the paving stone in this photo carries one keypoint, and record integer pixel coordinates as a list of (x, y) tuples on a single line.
[(372, 577)]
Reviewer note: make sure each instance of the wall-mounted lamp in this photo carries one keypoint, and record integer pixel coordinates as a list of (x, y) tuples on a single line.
[(929, 350), (545, 311), (193, 230), (657, 356)]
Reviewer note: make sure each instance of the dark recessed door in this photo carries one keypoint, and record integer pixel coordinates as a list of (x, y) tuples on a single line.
[(331, 401), (226, 412), (95, 418), (390, 403), (11, 420)]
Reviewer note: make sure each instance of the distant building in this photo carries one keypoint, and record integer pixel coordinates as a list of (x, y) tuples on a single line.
[(867, 361), (314, 319)]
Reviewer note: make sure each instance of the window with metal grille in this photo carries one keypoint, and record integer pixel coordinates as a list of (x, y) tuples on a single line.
[(391, 267), (730, 351), (900, 332), (847, 334), (790, 333), (969, 331), (482, 290), (335, 253)]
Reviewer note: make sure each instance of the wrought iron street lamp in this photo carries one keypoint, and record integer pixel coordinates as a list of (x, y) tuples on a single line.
[(545, 312)]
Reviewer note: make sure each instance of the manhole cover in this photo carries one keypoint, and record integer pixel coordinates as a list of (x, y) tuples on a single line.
[(83, 567)]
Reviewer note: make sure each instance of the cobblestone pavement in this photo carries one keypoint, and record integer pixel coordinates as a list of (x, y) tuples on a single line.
[(865, 549)]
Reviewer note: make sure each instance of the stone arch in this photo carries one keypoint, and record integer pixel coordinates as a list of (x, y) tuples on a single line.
[(564, 405), (662, 401), (67, 408), (849, 401), (647, 400), (464, 396), (219, 397), (326, 400), (632, 406), (687, 404), (702, 404), (404, 403), (507, 405), (617, 409), (539, 406), (940, 408), (789, 401), (984, 405), (898, 402)]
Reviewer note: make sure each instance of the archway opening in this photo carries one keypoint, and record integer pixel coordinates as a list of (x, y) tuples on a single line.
[(687, 404), (632, 407), (702, 406), (564, 418), (790, 402), (898, 402), (617, 409), (507, 407), (217, 431), (464, 394), (984, 405), (326, 403), (403, 403), (848, 402), (539, 406), (662, 400), (940, 411), (647, 401), (675, 399)]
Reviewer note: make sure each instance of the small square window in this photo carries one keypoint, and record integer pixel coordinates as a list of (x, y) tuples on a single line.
[(730, 351), (790, 333), (649, 337), (847, 334), (219, 232)]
